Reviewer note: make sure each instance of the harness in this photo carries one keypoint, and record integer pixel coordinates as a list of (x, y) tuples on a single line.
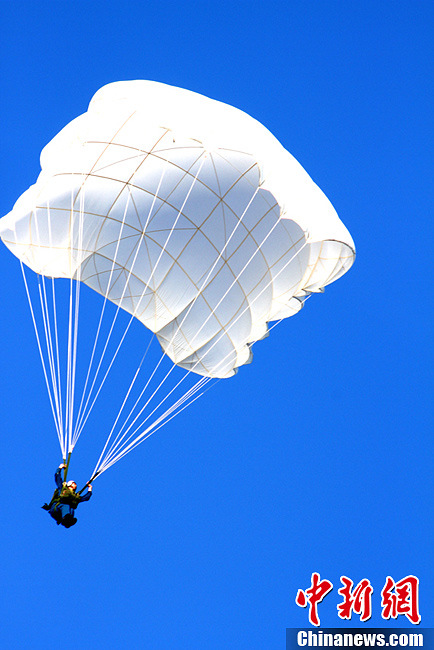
[(65, 495), (69, 497)]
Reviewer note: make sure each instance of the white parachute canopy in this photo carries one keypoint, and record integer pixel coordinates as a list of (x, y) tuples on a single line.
[(185, 212)]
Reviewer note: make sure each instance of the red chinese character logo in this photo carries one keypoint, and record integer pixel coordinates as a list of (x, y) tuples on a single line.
[(401, 598), (358, 600), (314, 595)]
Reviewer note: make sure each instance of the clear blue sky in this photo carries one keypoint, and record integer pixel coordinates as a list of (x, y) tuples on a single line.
[(318, 456)]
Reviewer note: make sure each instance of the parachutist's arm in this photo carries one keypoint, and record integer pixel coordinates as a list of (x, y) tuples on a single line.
[(58, 477), (88, 494)]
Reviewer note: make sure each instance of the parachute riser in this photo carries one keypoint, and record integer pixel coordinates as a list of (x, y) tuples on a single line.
[(67, 466), (88, 483)]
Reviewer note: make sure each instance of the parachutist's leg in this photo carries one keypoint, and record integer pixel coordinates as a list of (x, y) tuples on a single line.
[(56, 514), (69, 520)]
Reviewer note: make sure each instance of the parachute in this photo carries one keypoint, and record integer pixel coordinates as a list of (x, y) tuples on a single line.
[(187, 214)]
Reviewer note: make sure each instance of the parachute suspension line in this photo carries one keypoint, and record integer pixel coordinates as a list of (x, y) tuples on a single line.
[(59, 380), (195, 298), (115, 441), (203, 155), (55, 356), (56, 386), (140, 397), (74, 307), (80, 418), (77, 302), (55, 413), (71, 331), (81, 424), (63, 426), (74, 302), (68, 369), (69, 348), (123, 403), (178, 406), (162, 421), (50, 352), (56, 337), (81, 411), (84, 418), (119, 439)]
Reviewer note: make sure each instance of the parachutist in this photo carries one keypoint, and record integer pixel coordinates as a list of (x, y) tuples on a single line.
[(65, 500)]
